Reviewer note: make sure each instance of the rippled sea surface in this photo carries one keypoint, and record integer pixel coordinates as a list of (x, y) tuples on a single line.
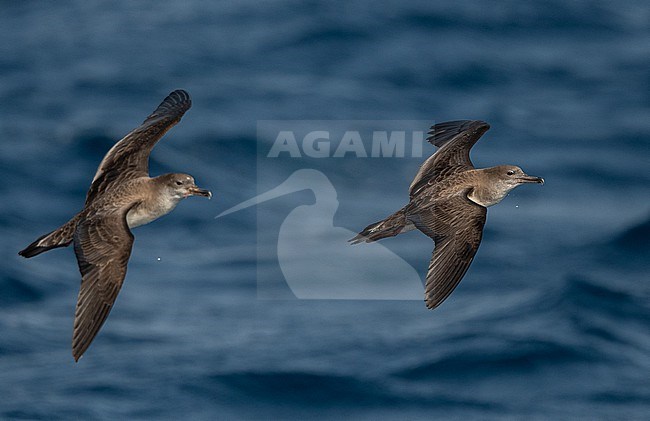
[(551, 321)]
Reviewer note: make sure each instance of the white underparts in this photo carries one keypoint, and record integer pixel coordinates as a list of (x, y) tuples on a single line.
[(486, 200), (474, 198), (148, 212)]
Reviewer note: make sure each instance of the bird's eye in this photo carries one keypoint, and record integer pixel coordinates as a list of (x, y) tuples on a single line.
[(179, 183), (510, 172)]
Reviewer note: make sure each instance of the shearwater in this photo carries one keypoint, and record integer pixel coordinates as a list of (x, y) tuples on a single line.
[(122, 196), (448, 202)]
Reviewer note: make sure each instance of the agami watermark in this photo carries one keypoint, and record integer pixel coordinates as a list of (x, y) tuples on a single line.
[(322, 144)]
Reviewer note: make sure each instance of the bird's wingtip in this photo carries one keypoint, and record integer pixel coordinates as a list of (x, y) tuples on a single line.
[(480, 124), (358, 239), (431, 304)]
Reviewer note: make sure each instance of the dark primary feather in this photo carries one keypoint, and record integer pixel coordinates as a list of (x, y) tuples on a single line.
[(455, 151), (129, 158), (455, 139), (103, 246), (441, 133), (456, 226)]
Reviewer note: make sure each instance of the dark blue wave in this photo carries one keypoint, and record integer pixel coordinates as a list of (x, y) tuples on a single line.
[(509, 356), (300, 389), (303, 388), (18, 291), (635, 239)]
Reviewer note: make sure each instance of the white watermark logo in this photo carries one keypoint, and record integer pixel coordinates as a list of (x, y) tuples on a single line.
[(314, 255), (303, 248), (322, 144)]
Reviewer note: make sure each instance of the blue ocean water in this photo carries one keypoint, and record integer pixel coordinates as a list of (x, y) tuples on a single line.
[(551, 321)]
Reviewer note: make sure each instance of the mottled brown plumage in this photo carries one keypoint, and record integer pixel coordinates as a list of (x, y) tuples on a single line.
[(448, 203), (121, 196)]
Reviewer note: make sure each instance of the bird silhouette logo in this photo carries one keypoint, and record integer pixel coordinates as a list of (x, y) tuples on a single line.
[(315, 258)]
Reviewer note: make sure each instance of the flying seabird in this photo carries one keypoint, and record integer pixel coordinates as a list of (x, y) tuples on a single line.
[(122, 196), (448, 202)]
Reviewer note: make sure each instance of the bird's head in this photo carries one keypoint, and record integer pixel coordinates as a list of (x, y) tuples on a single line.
[(512, 176), (183, 185), (500, 181)]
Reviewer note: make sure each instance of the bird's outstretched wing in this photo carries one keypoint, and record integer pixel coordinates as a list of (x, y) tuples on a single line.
[(103, 245), (129, 158), (455, 139), (456, 226), (441, 133)]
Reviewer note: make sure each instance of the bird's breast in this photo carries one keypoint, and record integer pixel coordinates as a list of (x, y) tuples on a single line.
[(149, 211), (487, 197)]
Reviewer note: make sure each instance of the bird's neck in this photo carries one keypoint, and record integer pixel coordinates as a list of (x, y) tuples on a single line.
[(486, 197), (154, 205), (486, 193)]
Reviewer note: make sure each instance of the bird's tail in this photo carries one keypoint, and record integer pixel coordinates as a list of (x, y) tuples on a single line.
[(61, 237), (396, 223)]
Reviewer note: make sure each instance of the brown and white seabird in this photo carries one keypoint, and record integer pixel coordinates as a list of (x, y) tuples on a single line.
[(448, 202), (121, 196)]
